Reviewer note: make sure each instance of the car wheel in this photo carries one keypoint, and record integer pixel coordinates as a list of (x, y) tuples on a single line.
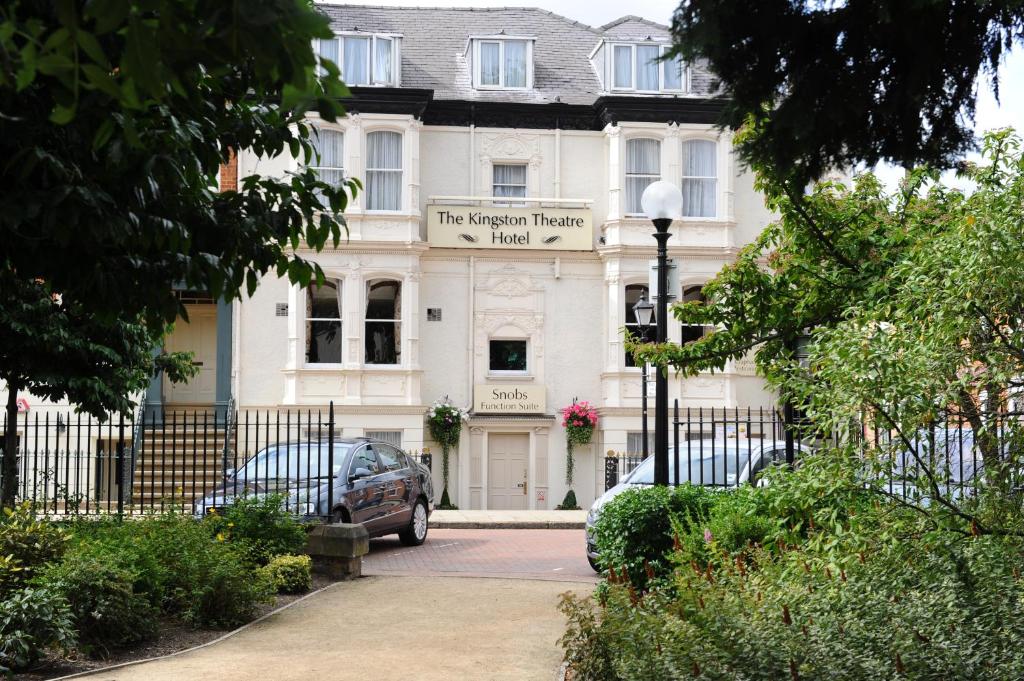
[(415, 532), (593, 564)]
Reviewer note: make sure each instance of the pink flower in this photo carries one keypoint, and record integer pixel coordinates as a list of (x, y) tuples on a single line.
[(707, 536)]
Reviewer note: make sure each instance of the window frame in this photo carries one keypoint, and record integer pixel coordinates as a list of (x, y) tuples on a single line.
[(688, 289), (371, 60), (612, 86), (626, 356), (683, 178), (508, 201), (316, 166), (400, 170), (397, 320), (339, 282), (509, 372), (478, 42), (626, 174)]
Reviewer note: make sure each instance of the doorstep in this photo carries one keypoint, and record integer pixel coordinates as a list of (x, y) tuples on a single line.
[(509, 520)]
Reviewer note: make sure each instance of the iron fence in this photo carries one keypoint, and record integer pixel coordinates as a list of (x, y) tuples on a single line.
[(73, 464)]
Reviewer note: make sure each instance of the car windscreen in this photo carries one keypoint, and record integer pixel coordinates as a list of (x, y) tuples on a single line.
[(719, 469), (294, 462)]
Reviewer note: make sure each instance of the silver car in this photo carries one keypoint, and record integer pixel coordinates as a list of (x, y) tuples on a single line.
[(710, 463)]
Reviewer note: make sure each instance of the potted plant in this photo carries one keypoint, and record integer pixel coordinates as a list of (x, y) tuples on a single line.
[(579, 420), (445, 422)]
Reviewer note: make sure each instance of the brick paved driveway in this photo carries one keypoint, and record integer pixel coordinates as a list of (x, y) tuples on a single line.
[(523, 554)]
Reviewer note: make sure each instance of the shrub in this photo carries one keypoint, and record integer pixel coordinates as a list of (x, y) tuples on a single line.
[(32, 620), (635, 532), (27, 545), (225, 591), (290, 574), (262, 527), (106, 610), (737, 522)]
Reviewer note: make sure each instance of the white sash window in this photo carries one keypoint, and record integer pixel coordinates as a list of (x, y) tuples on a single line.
[(383, 170), (643, 166), (700, 179)]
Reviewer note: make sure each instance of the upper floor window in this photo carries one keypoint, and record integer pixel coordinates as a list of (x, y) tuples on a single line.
[(639, 67), (363, 59), (693, 332), (508, 356), (643, 166), (329, 158), (700, 178), (646, 334), (323, 323), (383, 170), (503, 63), (383, 341), (509, 181)]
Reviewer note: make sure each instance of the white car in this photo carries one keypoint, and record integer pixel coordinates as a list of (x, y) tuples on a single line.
[(709, 463)]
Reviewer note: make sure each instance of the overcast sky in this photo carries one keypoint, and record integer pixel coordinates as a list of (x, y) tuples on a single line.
[(1010, 110)]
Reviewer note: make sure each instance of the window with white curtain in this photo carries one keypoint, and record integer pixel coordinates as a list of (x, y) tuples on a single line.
[(509, 181), (503, 64), (328, 158), (383, 322), (644, 68), (323, 322), (700, 178), (383, 170), (362, 59), (643, 166)]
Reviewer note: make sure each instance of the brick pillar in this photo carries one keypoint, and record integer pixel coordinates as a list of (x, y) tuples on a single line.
[(229, 173)]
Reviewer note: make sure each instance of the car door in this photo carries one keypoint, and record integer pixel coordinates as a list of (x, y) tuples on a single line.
[(365, 494), (398, 485)]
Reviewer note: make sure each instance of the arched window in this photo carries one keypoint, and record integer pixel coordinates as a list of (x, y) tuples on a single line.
[(692, 332), (383, 170), (329, 157), (633, 294), (700, 179), (323, 322), (643, 166), (383, 338)]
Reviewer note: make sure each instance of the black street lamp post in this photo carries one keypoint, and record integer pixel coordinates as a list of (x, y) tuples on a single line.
[(643, 310), (662, 202)]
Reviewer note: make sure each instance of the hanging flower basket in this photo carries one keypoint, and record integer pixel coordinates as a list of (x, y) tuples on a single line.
[(579, 420), (444, 420)]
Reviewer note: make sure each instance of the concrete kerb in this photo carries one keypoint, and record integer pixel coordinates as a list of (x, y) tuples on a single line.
[(506, 525), (508, 520)]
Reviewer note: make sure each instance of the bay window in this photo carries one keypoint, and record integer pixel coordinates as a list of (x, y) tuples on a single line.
[(643, 67), (700, 178), (363, 59), (647, 335), (503, 63), (643, 166), (383, 170), (328, 157), (693, 332), (383, 322)]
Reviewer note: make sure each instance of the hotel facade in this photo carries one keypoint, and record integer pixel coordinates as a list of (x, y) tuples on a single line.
[(496, 249)]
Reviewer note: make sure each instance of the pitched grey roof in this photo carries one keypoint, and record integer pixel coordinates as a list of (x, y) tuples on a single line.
[(435, 42)]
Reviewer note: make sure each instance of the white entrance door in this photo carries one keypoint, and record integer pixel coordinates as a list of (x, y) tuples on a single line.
[(199, 336), (507, 470)]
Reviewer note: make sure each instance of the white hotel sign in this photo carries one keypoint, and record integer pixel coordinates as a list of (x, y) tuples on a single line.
[(559, 229), (509, 399)]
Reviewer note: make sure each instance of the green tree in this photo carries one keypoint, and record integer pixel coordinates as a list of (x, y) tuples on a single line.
[(836, 83), (915, 305), (114, 118)]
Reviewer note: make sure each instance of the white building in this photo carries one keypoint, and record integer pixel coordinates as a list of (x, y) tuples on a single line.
[(492, 117)]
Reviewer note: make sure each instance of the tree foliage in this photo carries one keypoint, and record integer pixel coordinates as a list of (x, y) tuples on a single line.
[(836, 83), (915, 306)]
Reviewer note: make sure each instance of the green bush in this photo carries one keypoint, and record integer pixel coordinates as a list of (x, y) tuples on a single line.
[(290, 574), (181, 569), (27, 545), (737, 522), (32, 620), (106, 610), (262, 527), (635, 529)]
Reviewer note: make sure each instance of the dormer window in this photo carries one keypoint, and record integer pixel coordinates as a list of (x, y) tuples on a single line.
[(502, 63), (364, 59), (637, 67)]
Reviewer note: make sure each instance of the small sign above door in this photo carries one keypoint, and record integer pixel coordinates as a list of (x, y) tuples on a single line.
[(509, 399)]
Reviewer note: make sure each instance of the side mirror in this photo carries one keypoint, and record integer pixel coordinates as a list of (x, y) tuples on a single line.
[(359, 473)]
